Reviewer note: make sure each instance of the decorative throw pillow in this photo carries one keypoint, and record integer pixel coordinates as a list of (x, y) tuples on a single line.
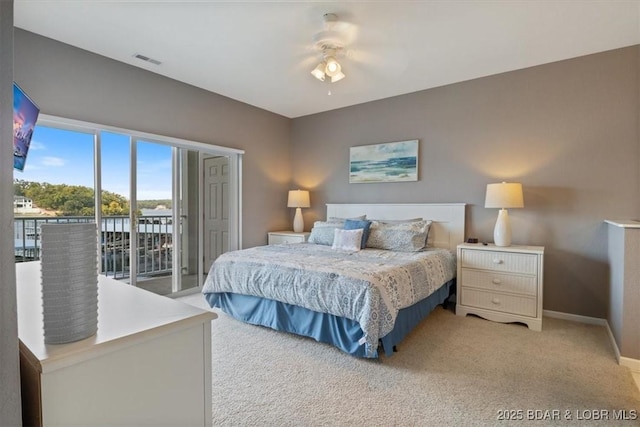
[(347, 240), (403, 237), (322, 232), (352, 224), (430, 236)]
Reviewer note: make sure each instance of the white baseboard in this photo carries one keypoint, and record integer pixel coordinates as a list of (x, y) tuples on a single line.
[(632, 364), (575, 317), (616, 350)]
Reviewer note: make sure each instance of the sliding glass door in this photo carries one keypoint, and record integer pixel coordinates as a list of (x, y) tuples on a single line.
[(163, 240), (165, 208)]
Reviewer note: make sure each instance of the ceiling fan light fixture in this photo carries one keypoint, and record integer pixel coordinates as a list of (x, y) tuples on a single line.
[(339, 76), (319, 71), (330, 43)]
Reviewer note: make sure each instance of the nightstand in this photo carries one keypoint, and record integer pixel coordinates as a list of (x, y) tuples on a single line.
[(284, 237), (503, 284)]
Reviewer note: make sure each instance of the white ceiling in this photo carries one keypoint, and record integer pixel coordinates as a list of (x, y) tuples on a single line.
[(262, 52)]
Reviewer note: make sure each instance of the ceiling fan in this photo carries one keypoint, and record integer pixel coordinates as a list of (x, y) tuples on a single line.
[(366, 51), (331, 43)]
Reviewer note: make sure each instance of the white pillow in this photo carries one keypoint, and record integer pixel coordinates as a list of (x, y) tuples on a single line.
[(347, 240)]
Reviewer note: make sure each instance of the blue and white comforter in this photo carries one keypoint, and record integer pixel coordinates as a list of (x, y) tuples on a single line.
[(368, 286)]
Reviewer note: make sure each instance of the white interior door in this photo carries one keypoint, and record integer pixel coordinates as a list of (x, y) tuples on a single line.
[(216, 208)]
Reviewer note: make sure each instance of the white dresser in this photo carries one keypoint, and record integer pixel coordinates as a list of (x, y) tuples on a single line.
[(503, 284), (285, 237), (149, 363)]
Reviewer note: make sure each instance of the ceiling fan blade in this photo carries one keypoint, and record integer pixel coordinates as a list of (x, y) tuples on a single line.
[(393, 62)]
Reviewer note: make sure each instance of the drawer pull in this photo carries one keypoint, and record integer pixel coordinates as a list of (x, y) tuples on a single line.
[(497, 261), (496, 301), (496, 281)]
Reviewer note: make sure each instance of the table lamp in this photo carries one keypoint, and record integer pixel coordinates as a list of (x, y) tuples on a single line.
[(298, 199), (503, 195)]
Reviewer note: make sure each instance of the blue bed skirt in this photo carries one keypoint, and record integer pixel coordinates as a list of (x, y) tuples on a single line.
[(339, 331)]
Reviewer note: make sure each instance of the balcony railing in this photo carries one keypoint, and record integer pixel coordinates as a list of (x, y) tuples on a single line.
[(154, 243)]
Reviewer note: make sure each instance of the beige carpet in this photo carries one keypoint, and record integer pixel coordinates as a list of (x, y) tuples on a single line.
[(451, 371)]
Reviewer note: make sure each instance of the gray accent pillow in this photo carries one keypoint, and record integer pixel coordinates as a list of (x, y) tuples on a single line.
[(323, 231), (402, 237)]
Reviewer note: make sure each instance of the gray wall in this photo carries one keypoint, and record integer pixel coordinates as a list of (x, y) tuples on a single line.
[(10, 407), (567, 130), (72, 83)]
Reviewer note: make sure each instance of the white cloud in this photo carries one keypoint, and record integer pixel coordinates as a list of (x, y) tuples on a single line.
[(53, 161), (36, 145)]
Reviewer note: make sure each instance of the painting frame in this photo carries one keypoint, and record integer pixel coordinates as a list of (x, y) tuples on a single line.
[(385, 162)]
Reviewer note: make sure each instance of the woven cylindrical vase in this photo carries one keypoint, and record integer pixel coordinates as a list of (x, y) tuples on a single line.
[(69, 269)]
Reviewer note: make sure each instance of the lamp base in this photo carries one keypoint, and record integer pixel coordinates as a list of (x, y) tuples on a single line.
[(502, 230), (298, 221)]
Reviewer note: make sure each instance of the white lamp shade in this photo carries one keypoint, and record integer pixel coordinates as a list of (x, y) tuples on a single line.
[(337, 77), (318, 72), (504, 195), (298, 199)]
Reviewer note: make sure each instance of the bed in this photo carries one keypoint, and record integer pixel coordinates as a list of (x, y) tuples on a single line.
[(360, 301)]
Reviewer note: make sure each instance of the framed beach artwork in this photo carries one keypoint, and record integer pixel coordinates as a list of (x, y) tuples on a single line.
[(388, 162)]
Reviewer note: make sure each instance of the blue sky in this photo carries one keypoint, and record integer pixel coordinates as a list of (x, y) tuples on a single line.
[(59, 156)]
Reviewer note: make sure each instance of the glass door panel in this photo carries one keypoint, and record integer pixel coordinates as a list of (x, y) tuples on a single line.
[(56, 185), (154, 217), (115, 164)]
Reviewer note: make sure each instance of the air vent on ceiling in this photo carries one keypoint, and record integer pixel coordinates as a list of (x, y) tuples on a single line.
[(147, 59)]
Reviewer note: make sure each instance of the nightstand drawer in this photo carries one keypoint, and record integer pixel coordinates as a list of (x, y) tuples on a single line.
[(524, 306), (503, 282), (280, 239), (500, 261)]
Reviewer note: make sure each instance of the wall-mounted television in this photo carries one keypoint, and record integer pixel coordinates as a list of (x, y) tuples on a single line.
[(25, 114)]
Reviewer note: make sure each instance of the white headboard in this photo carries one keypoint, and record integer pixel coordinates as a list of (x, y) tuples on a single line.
[(448, 218)]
